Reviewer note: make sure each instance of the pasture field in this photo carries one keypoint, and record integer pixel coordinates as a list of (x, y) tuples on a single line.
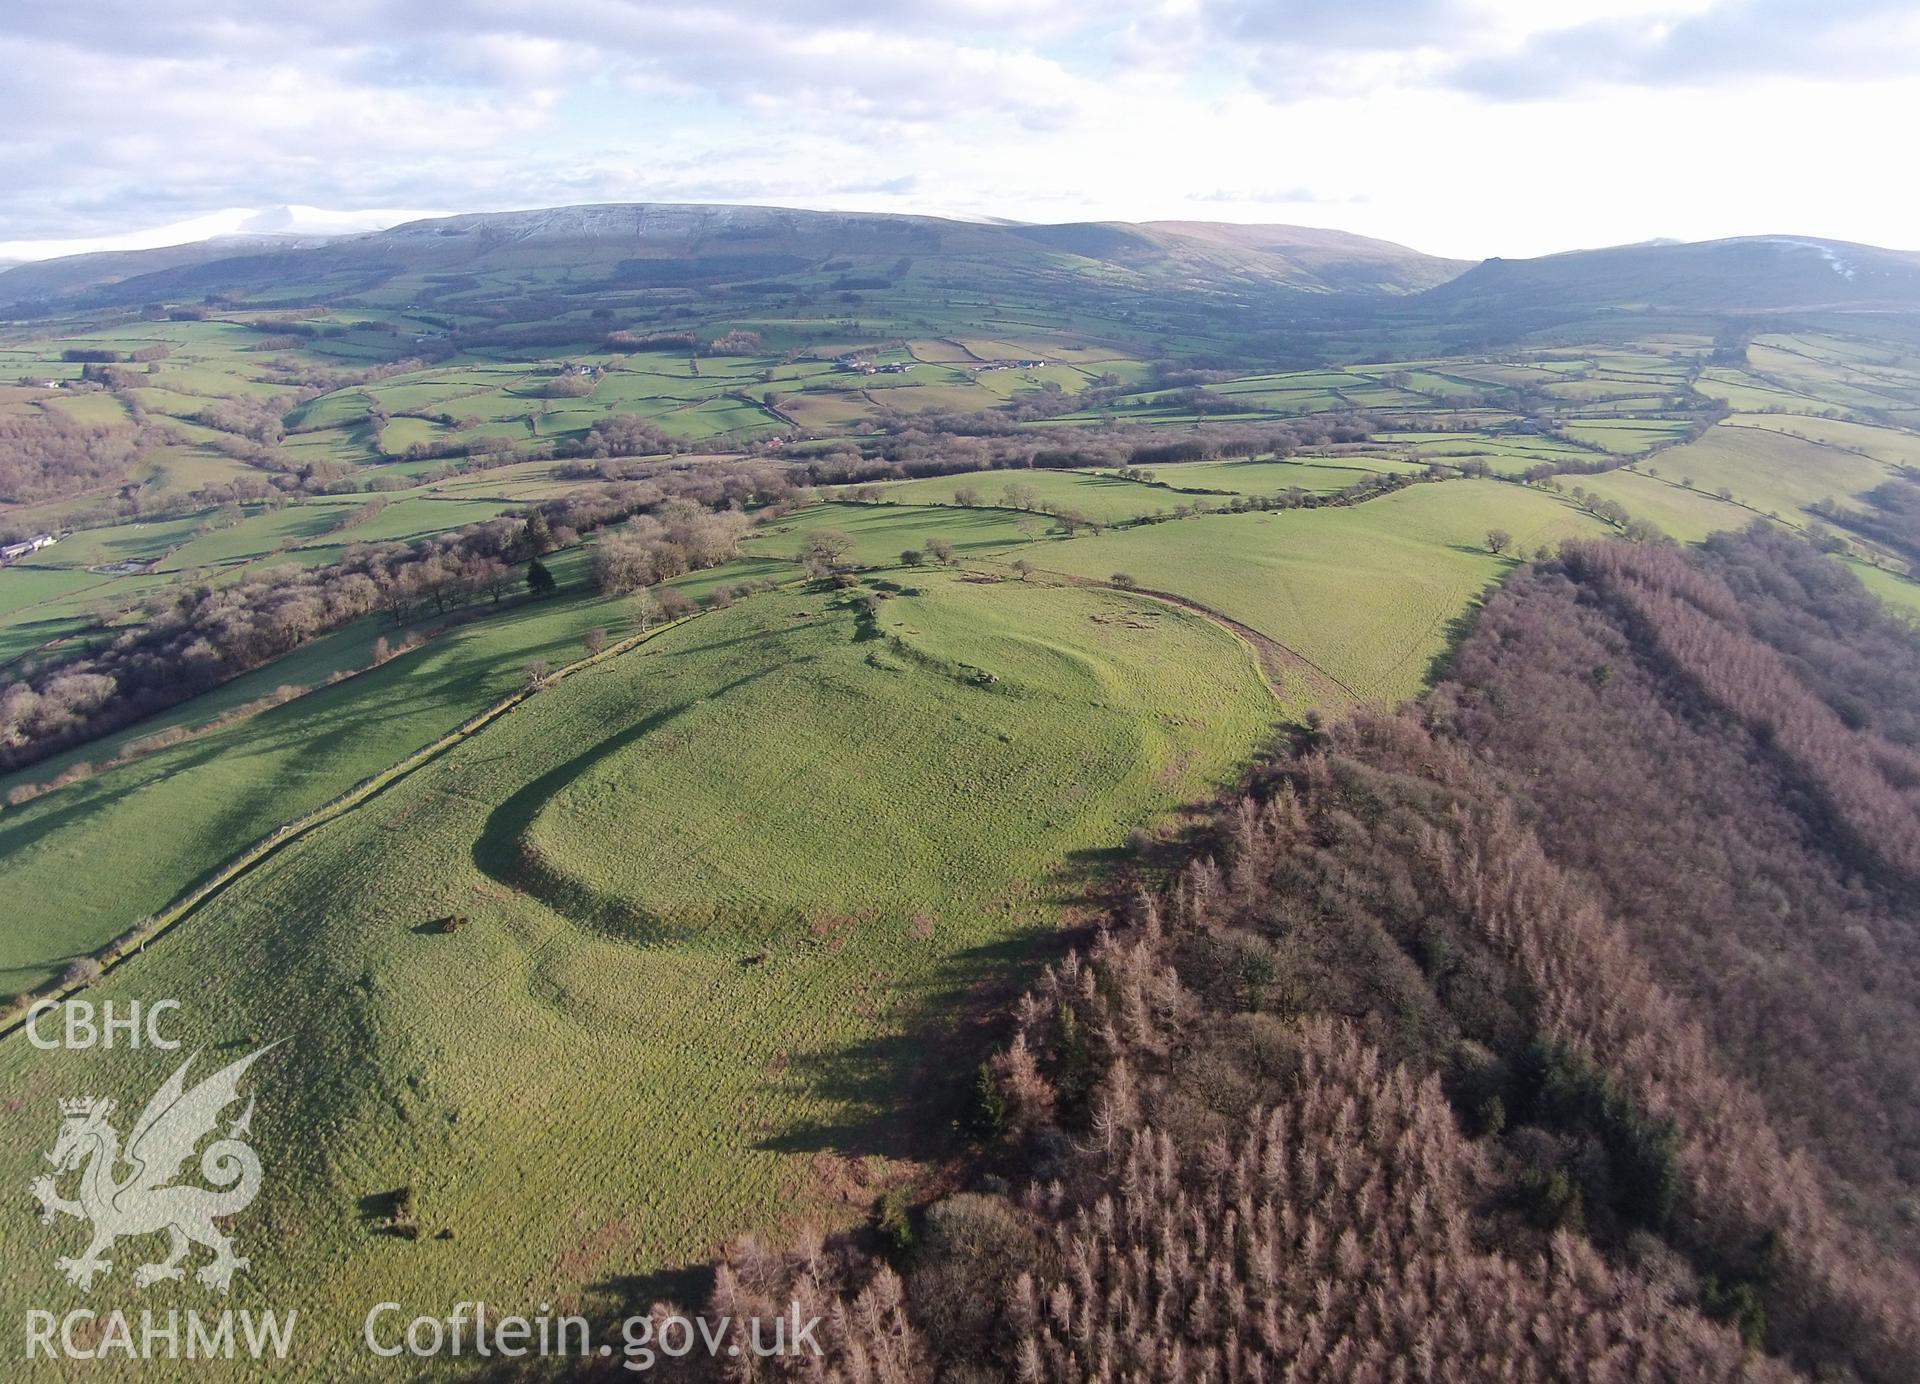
[(1367, 593), (1771, 471), (1629, 436), (1110, 498), (1101, 496), (168, 818), (1891, 445), (30, 585), (880, 533), (58, 587), (108, 546), (1743, 391), (1316, 475), (1505, 453), (1054, 697), (1682, 514), (1899, 594), (731, 897), (1851, 381), (256, 535), (756, 1064), (825, 411), (174, 472), (50, 610)]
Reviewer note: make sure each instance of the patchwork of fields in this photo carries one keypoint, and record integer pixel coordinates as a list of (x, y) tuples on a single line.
[(725, 902)]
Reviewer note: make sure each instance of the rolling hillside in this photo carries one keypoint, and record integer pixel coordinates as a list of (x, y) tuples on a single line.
[(1750, 274), (637, 244)]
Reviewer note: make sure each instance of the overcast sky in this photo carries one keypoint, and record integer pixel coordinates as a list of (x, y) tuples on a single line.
[(1509, 127)]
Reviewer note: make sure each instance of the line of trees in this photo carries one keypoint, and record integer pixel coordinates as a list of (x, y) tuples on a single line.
[(940, 445), (195, 637)]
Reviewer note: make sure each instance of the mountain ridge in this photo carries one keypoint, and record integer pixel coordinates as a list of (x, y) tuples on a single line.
[(1302, 292), (1269, 257)]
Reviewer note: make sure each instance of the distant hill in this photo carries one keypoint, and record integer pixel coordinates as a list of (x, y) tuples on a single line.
[(72, 275), (1198, 290), (1749, 274), (652, 244), (1353, 263)]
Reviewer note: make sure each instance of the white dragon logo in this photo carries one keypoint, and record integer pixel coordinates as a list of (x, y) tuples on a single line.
[(139, 1202)]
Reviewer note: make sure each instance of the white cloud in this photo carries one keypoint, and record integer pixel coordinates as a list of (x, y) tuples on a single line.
[(230, 221), (1461, 126)]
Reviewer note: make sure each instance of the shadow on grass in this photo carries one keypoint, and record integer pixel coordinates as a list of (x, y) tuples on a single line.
[(609, 1303), (899, 1093), (902, 1093), (389, 1214), (504, 855), (1457, 632)]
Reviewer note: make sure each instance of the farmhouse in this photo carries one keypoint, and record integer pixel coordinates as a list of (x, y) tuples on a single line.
[(13, 552)]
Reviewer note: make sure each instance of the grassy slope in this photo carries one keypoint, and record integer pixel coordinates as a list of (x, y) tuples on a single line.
[(665, 829), (1886, 444), (880, 533), (1772, 471), (167, 819), (1317, 475), (1680, 513), (602, 1078), (1900, 594), (1108, 498), (1105, 498), (1367, 592), (578, 1104)]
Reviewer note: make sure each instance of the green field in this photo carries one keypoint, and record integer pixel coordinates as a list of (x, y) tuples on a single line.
[(1104, 498), (1900, 594), (1892, 445), (597, 995), (1770, 471), (880, 533), (1629, 436), (1366, 594), (1314, 475), (1680, 513), (48, 597), (169, 818)]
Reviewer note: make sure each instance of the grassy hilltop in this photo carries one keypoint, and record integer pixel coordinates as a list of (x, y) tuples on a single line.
[(722, 941)]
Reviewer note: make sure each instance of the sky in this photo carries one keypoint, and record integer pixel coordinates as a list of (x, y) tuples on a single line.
[(1465, 128)]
